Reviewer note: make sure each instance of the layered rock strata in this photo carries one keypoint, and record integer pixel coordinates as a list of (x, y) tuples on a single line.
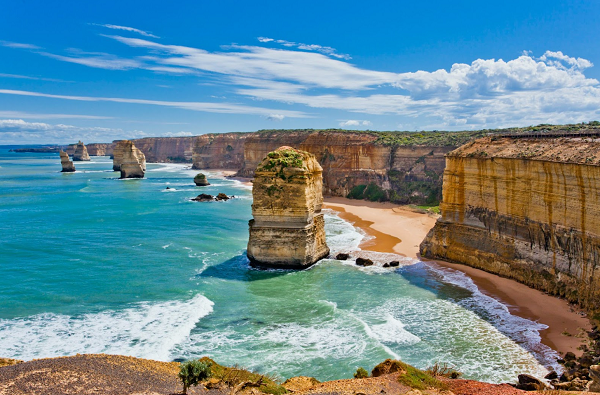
[(526, 208), (200, 180), (288, 227), (67, 165), (129, 160), (81, 153)]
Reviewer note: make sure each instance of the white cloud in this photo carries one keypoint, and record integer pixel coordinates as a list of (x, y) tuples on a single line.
[(129, 29), (354, 123), (97, 60), (26, 77), (307, 47), (276, 117), (178, 134), (18, 131), (223, 108), (10, 44)]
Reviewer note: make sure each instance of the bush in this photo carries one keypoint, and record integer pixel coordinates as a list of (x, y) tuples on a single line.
[(357, 192), (191, 373), (361, 373)]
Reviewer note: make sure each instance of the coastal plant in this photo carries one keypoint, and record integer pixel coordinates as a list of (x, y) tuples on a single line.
[(443, 370), (238, 379), (361, 373), (419, 379), (192, 373)]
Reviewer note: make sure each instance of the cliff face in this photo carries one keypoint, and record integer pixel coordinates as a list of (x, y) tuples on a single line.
[(81, 153), (129, 160), (166, 149), (67, 165), (220, 151), (100, 149), (528, 209), (288, 227)]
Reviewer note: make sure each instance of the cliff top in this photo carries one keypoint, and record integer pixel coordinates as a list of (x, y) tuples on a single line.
[(582, 147), (288, 157)]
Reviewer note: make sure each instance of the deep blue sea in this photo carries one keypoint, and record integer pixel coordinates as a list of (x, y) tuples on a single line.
[(93, 264)]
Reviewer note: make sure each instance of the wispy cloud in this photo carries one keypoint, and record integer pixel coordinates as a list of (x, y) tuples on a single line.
[(18, 131), (307, 47), (27, 77), (128, 29), (276, 117), (97, 60), (10, 44), (355, 123), (28, 115), (223, 108)]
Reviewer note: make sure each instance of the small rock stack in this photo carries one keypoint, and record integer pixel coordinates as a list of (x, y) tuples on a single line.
[(81, 153), (200, 180), (288, 227), (67, 165)]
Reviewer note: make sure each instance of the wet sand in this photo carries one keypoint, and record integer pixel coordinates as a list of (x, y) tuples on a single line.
[(399, 230)]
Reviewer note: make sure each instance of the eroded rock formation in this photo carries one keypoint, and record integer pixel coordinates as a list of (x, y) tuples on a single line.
[(200, 180), (526, 208), (288, 227), (130, 161), (67, 165), (81, 153)]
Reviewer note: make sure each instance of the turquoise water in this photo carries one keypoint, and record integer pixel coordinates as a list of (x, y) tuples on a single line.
[(90, 263)]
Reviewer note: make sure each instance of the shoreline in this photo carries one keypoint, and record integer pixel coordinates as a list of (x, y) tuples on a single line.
[(397, 229)]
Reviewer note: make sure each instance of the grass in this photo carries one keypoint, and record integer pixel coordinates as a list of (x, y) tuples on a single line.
[(234, 376), (419, 379), (432, 209)]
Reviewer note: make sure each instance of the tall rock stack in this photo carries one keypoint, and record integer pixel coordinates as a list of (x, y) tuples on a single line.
[(288, 227), (131, 161), (67, 165), (81, 153)]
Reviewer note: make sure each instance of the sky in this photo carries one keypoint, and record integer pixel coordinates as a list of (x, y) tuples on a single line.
[(100, 71)]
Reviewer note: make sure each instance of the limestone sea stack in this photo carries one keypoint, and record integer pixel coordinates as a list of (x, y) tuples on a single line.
[(288, 227), (200, 180), (132, 161), (81, 153), (67, 165)]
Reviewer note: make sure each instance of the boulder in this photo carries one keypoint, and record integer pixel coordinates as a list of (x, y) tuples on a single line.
[(300, 383), (386, 265), (364, 262), (342, 256), (203, 197), (529, 383), (222, 196), (594, 373), (394, 263), (200, 180), (288, 228), (67, 165), (570, 356), (551, 376), (81, 153)]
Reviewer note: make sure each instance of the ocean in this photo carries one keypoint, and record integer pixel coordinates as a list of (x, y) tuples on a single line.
[(93, 264)]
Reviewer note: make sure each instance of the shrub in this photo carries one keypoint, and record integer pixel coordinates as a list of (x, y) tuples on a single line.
[(191, 373), (357, 192), (361, 373)]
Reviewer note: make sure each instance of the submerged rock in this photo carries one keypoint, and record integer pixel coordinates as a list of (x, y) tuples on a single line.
[(288, 227), (222, 196), (67, 165), (203, 197), (129, 159), (81, 153), (342, 256), (200, 180)]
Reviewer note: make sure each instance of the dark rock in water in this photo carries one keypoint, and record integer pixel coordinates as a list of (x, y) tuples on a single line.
[(168, 188), (551, 376), (342, 256), (529, 383), (200, 180), (203, 197), (394, 263), (364, 262), (386, 265), (221, 196)]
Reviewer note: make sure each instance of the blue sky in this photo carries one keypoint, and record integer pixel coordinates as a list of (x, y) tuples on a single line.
[(100, 71)]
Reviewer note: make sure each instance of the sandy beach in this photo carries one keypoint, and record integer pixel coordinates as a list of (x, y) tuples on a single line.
[(399, 230)]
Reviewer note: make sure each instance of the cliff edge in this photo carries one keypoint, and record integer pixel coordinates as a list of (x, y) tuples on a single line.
[(526, 207)]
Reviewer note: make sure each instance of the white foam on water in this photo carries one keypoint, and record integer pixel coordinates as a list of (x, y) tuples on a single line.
[(393, 330), (341, 235), (524, 331), (145, 330)]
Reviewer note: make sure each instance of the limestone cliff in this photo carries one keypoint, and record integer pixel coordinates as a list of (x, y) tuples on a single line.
[(129, 160), (67, 165), (220, 151), (288, 227), (100, 149), (167, 149), (526, 208), (81, 153)]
